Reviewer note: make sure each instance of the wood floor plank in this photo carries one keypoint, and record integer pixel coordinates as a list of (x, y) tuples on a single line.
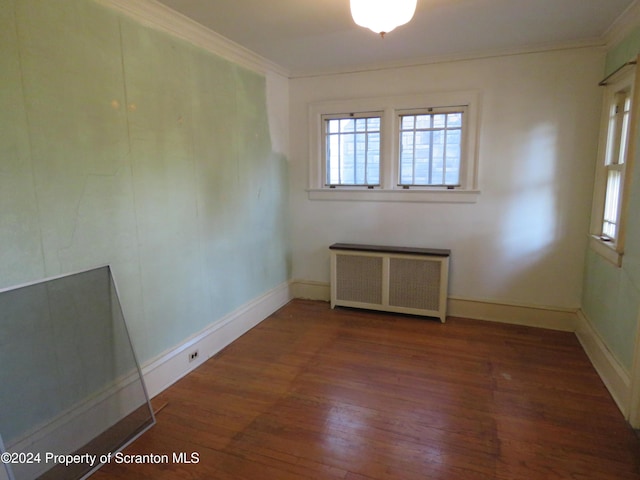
[(315, 393)]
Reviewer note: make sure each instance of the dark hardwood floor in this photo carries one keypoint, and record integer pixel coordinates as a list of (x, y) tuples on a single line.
[(315, 393)]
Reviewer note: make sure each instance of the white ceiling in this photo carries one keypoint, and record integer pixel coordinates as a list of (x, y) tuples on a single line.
[(308, 36)]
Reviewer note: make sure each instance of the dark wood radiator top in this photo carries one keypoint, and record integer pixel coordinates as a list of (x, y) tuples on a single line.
[(439, 252)]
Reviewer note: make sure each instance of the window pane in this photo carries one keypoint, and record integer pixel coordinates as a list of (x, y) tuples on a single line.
[(623, 138), (347, 125), (611, 138), (611, 204), (422, 158), (373, 158), (360, 158), (454, 119), (452, 161), (408, 122), (452, 176), (439, 121), (423, 121), (333, 159), (406, 154)]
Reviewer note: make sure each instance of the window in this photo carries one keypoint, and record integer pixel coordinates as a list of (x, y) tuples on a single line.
[(614, 161), (431, 148), (608, 211), (352, 149), (413, 148)]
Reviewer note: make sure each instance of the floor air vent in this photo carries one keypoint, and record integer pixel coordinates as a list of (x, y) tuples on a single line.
[(393, 279)]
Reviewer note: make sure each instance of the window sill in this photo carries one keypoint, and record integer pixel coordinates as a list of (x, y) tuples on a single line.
[(380, 195), (606, 250)]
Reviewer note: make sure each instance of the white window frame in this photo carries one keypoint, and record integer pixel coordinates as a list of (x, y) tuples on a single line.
[(462, 109), (389, 188), (612, 249)]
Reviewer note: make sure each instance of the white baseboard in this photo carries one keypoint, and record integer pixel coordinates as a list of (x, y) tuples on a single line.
[(174, 364), (311, 290), (169, 367), (534, 316), (563, 319), (613, 374)]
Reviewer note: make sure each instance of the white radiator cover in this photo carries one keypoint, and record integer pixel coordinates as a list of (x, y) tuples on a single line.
[(392, 279)]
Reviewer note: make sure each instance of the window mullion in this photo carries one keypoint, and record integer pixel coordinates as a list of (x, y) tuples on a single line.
[(355, 154), (413, 153), (431, 152), (366, 153), (444, 150), (340, 155)]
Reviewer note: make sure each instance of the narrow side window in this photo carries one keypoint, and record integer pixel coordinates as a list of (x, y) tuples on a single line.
[(614, 165), (615, 161)]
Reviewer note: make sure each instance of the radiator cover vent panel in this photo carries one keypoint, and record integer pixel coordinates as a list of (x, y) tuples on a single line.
[(395, 279), (361, 279), (414, 283)]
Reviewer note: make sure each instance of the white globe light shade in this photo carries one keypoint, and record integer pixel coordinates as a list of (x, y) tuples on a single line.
[(382, 16)]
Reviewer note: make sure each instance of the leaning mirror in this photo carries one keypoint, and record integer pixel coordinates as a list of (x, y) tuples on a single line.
[(71, 389)]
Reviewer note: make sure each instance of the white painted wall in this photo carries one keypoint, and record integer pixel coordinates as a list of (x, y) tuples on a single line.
[(524, 241), (278, 112)]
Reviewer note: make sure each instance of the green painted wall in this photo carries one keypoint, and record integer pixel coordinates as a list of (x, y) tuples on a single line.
[(123, 145), (611, 295), (624, 51)]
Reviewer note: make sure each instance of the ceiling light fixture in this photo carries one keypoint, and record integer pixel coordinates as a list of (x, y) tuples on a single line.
[(382, 16)]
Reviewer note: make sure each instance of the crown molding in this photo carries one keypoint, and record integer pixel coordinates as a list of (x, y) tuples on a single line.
[(623, 25), (463, 57), (157, 15), (161, 17)]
